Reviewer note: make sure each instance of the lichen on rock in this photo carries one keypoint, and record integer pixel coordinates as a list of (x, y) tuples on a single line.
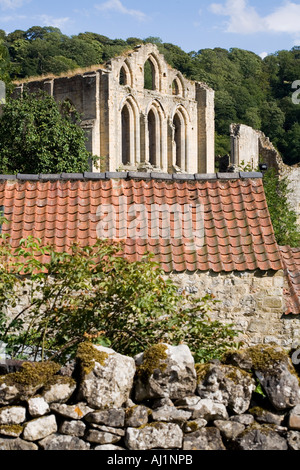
[(87, 355)]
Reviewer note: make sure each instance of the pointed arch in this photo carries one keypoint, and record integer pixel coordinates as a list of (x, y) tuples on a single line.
[(180, 138), (129, 132), (152, 71), (155, 134), (125, 74), (177, 87)]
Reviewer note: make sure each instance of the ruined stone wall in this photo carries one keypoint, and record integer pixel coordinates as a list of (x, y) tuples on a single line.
[(253, 301), (293, 176), (250, 147), (244, 146), (168, 128)]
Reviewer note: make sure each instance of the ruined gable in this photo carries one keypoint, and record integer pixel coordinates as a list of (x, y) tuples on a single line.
[(140, 114)]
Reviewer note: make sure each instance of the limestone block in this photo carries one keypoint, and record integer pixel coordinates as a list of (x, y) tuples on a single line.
[(12, 415), (73, 428), (75, 412), (260, 438), (108, 382), (37, 407), (40, 428), (226, 384), (60, 390), (165, 371), (61, 442), (204, 439), (154, 435)]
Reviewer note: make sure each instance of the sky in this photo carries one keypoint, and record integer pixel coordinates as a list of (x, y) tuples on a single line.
[(261, 26)]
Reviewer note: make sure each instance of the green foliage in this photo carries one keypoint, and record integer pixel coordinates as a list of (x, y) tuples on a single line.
[(38, 137), (94, 294), (283, 218), (5, 65)]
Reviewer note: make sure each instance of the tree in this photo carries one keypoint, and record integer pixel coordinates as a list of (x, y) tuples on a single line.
[(284, 219), (40, 136), (95, 294), (4, 63)]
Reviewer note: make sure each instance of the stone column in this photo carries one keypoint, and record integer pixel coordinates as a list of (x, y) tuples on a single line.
[(206, 128)]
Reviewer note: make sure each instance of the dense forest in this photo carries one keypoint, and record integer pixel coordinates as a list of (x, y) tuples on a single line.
[(261, 93)]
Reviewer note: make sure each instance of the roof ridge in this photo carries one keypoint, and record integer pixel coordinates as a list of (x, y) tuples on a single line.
[(133, 175)]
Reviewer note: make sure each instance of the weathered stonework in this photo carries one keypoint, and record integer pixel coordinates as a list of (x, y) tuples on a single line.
[(169, 127), (225, 412), (249, 147), (293, 177), (252, 300)]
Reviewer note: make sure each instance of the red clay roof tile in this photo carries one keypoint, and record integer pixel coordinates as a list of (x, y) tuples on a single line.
[(238, 233)]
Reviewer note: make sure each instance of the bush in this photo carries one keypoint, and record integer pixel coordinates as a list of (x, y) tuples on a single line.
[(94, 294), (284, 219)]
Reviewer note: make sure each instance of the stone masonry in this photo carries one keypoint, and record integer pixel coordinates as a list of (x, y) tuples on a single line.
[(251, 300), (168, 126), (167, 402), (249, 147)]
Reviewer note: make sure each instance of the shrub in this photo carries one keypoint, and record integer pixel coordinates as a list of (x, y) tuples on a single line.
[(95, 294)]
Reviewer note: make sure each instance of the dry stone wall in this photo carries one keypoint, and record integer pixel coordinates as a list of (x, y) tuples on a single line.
[(159, 400)]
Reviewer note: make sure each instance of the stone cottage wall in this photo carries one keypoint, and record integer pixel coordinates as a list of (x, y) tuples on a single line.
[(253, 301)]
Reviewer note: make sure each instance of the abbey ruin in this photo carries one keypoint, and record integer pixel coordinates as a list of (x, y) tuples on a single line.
[(139, 114)]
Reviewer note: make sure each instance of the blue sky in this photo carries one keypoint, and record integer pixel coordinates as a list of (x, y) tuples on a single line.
[(261, 26)]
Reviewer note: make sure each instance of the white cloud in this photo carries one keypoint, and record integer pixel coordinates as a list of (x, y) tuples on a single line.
[(285, 19), (8, 18), (244, 19), (263, 55), (47, 20), (117, 6), (10, 4)]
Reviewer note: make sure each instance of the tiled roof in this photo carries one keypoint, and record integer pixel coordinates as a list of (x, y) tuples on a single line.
[(236, 235), (291, 264)]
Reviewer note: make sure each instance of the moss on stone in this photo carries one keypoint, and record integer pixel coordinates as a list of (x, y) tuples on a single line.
[(192, 425), (87, 355), (156, 424), (32, 374), (202, 371), (152, 360), (257, 411), (129, 411), (59, 380), (234, 373), (12, 430), (263, 357)]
